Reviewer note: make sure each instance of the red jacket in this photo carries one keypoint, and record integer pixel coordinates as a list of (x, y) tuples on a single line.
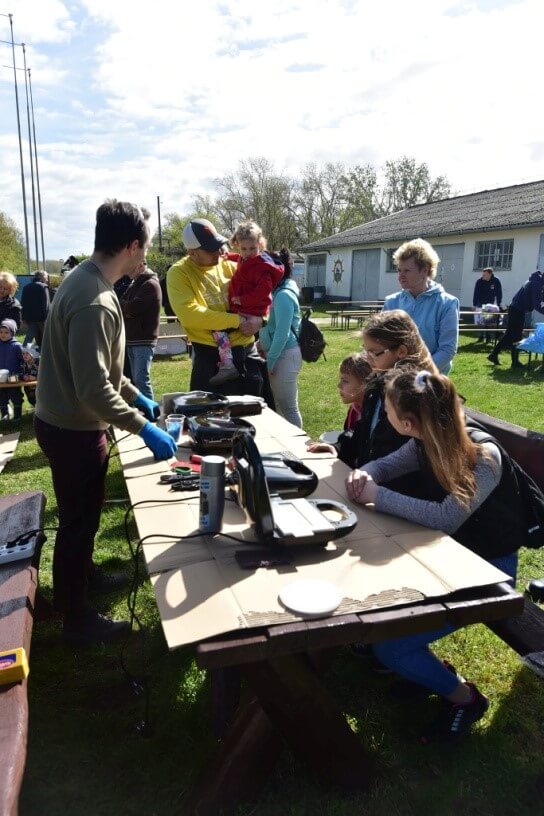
[(253, 282)]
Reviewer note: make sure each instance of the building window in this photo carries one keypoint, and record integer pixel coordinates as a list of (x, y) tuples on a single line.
[(497, 254), (390, 266), (317, 270)]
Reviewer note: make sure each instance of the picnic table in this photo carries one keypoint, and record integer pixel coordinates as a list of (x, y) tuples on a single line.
[(346, 310), (233, 618), (19, 513)]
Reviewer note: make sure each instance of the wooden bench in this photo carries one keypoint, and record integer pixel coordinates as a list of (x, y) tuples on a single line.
[(343, 308), (525, 633), (19, 513), (172, 338)]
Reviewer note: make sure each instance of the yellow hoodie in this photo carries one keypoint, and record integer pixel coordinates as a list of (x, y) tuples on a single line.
[(199, 297)]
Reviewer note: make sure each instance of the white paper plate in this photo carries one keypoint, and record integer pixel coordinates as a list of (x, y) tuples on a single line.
[(330, 436), (311, 598)]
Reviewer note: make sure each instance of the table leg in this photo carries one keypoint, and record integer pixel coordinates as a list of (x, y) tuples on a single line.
[(291, 702), (302, 710), (241, 767)]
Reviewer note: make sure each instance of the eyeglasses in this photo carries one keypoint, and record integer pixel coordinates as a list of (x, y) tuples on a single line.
[(376, 354)]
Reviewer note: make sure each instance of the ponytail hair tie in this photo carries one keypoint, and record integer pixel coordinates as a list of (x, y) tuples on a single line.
[(420, 381)]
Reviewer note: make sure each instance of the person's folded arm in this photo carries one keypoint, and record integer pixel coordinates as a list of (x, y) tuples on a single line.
[(92, 334), (448, 336), (449, 514), (402, 461)]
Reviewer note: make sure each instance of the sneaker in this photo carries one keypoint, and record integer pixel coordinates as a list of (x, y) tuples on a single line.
[(225, 374), (455, 721), (101, 582), (408, 690), (93, 628), (493, 359)]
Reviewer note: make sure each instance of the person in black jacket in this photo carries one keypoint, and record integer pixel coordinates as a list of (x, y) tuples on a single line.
[(390, 340), (530, 297), (35, 302), (487, 289), (141, 307), (10, 308)]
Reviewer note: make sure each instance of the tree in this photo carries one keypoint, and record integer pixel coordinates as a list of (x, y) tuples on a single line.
[(258, 192), (407, 183), (12, 248)]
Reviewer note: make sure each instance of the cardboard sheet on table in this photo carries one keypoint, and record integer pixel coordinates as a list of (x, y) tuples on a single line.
[(213, 597), (201, 591)]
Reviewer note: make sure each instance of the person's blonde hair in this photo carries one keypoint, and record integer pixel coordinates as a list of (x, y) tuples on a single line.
[(433, 403), (246, 230), (356, 365), (422, 253), (396, 328), (11, 281)]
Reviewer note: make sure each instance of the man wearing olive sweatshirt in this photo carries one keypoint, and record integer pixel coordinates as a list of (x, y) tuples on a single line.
[(81, 392)]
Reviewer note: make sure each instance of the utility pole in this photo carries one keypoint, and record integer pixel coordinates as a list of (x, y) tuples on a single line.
[(37, 173), (31, 159), (20, 142), (160, 229)]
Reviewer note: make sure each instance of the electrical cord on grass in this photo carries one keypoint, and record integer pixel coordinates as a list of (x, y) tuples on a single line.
[(142, 684)]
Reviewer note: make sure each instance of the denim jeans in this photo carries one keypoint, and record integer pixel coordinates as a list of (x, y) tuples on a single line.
[(140, 358), (284, 385), (411, 657)]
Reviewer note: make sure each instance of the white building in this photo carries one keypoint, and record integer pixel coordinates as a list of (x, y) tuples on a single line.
[(501, 228)]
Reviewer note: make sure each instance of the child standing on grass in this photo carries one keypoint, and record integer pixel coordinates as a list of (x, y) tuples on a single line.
[(11, 359), (468, 494), (250, 292), (31, 362), (353, 373)]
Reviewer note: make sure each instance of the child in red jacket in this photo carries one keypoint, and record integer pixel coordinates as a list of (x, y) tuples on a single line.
[(250, 291)]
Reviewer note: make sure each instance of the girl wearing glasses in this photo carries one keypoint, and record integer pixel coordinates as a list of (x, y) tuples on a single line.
[(469, 494), (390, 340)]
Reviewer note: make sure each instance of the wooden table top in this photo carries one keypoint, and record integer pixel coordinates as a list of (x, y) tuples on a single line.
[(391, 572)]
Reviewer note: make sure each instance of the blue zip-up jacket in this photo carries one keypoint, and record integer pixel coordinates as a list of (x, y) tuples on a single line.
[(531, 295), (11, 356), (436, 314), (487, 292), (281, 331)]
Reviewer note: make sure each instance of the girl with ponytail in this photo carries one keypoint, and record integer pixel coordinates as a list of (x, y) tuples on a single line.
[(468, 494)]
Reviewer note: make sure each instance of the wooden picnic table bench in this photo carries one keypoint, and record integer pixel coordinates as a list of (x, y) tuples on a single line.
[(343, 307), (524, 633), (19, 513), (19, 384)]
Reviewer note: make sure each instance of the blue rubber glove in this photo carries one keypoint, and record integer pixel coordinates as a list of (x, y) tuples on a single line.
[(159, 442), (150, 409)]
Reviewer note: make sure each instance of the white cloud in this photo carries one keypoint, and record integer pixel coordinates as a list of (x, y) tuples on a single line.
[(136, 99)]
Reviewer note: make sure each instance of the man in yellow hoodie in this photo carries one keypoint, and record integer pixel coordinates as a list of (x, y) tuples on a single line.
[(198, 287)]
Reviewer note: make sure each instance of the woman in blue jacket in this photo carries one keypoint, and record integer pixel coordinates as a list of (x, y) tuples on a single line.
[(278, 341), (433, 310)]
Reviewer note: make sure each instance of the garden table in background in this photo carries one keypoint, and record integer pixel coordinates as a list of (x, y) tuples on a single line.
[(202, 598)]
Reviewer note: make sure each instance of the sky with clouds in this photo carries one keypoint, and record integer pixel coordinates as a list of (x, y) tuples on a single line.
[(138, 99)]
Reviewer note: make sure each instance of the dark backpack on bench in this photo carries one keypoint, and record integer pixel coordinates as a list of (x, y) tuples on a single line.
[(530, 523)]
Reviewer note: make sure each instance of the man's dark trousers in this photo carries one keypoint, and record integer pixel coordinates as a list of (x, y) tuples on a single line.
[(79, 462)]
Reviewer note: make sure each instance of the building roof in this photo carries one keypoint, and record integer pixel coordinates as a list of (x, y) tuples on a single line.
[(521, 205)]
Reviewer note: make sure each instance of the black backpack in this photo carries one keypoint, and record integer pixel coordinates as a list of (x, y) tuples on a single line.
[(310, 339), (531, 524)]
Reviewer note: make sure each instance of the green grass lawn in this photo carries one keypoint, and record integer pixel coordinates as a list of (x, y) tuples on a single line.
[(86, 757)]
